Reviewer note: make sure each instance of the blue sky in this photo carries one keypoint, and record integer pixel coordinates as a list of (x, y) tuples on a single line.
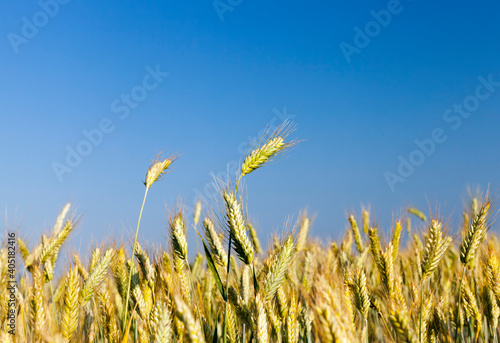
[(62, 72)]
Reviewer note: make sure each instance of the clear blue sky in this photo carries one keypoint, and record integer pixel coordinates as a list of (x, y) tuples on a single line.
[(358, 111)]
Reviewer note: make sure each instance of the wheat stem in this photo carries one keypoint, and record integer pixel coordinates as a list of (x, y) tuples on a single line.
[(459, 300), (133, 252)]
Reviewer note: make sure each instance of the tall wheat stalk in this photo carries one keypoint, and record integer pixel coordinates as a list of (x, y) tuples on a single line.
[(435, 248), (271, 144), (157, 169), (470, 244)]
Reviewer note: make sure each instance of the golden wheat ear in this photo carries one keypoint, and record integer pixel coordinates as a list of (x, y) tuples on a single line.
[(237, 228), (158, 169), (277, 271), (214, 242), (475, 234), (194, 333), (260, 314), (71, 304), (268, 147), (435, 248), (254, 237), (178, 235), (357, 233), (305, 223), (197, 212)]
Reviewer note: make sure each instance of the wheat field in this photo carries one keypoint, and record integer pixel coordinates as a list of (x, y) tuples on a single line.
[(424, 281)]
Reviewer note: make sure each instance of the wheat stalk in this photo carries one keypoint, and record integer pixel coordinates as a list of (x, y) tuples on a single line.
[(155, 171)]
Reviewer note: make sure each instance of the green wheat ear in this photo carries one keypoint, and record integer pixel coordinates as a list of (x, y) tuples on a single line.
[(416, 212)]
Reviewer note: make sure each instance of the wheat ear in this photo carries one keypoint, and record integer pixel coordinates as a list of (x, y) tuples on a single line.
[(38, 312), (292, 328), (365, 214), (361, 295), (197, 212), (402, 327), (236, 223), (271, 144), (163, 330), (96, 277), (119, 271), (303, 231), (435, 248), (157, 169), (375, 246), (395, 239), (194, 333), (60, 218), (492, 273), (255, 238), (262, 334), (277, 270), (51, 250), (214, 242), (419, 214), (475, 235), (71, 306), (147, 269), (357, 233)]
